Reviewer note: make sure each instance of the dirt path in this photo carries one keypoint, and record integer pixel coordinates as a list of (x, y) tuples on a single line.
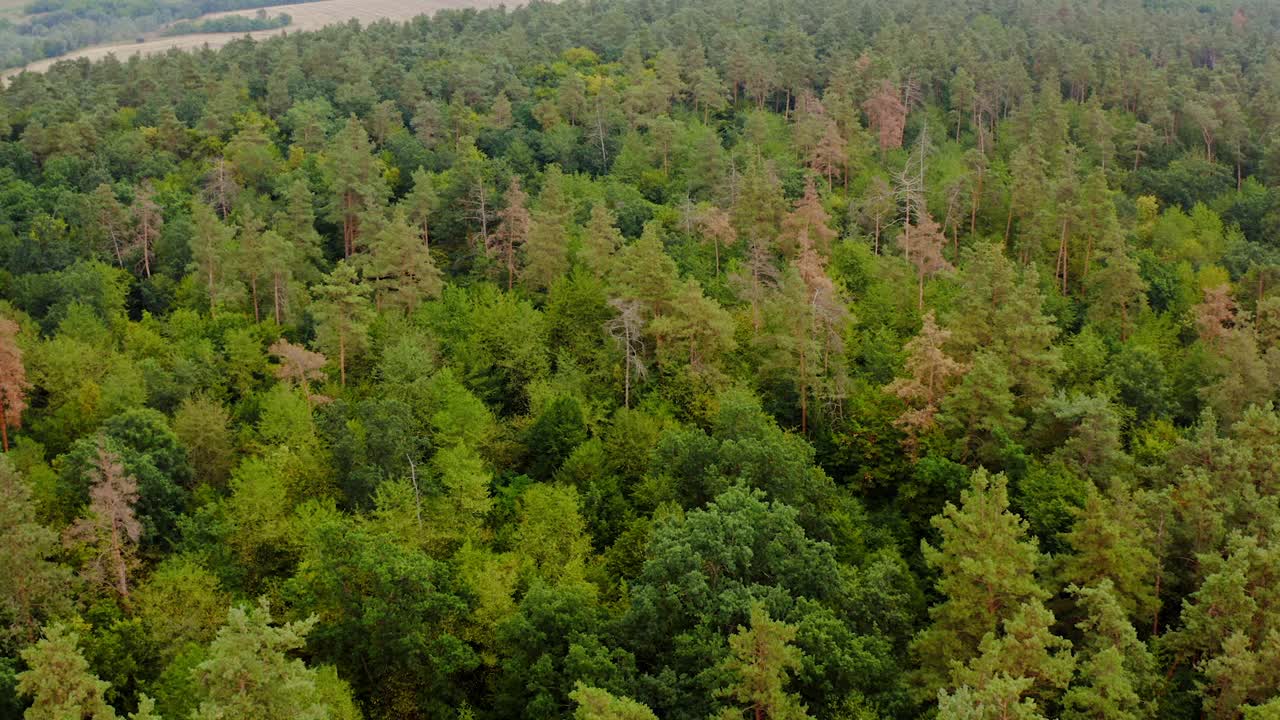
[(306, 16)]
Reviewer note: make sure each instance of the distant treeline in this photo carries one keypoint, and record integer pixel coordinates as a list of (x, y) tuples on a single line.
[(230, 24), (54, 27)]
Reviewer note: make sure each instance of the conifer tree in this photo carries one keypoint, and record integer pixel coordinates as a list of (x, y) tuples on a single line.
[(513, 229), (761, 659), (399, 267), (252, 256), (13, 381), (296, 223), (600, 241), (279, 258), (211, 249), (33, 585), (110, 532), (642, 271), (298, 365), (1117, 675), (1116, 289), (999, 312), (597, 704), (147, 221), (343, 313), (422, 203), (986, 567), (716, 227), (110, 222), (696, 332), (248, 675), (888, 116), (922, 243), (546, 252), (807, 225), (1112, 543), (930, 371), (355, 181), (58, 680)]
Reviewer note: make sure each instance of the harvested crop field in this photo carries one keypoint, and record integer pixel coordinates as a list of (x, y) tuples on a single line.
[(306, 16)]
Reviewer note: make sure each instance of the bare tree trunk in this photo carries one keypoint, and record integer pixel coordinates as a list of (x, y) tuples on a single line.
[(342, 358), (417, 495), (348, 225), (117, 553), (804, 397), (276, 296), (253, 293)]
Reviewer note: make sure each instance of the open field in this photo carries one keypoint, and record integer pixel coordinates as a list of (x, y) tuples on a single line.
[(11, 9), (306, 16)]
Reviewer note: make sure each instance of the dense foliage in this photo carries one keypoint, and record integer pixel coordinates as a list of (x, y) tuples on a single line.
[(230, 23), (631, 359)]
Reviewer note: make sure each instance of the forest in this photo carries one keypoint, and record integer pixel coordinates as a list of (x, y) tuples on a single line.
[(638, 359)]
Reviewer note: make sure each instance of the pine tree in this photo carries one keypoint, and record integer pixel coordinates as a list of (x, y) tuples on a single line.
[(1025, 648), (147, 221), (355, 181), (806, 225), (513, 230), (220, 187), (110, 222), (980, 407), (399, 267), (296, 223), (279, 259), (211, 251), (343, 313), (758, 204), (33, 585), (795, 347), (597, 704), (600, 241), (922, 244), (627, 329), (876, 208), (248, 675), (1117, 675), (421, 203), (546, 252), (986, 567), (59, 682), (252, 258), (1112, 543), (696, 332), (930, 371), (761, 659), (642, 271), (999, 312), (716, 227), (888, 116), (13, 381), (110, 532), (1116, 288)]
